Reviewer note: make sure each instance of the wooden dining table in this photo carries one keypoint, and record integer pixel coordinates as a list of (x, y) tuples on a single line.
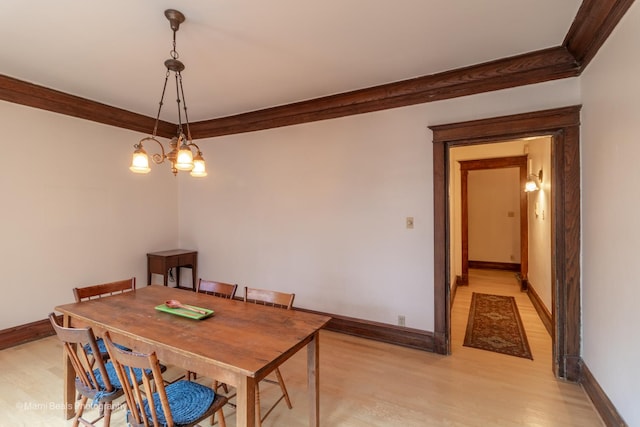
[(240, 344)]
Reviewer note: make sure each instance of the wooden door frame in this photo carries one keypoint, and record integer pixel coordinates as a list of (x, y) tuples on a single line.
[(563, 125), (519, 162)]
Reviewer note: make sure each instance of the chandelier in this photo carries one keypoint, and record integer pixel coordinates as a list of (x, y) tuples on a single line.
[(181, 156)]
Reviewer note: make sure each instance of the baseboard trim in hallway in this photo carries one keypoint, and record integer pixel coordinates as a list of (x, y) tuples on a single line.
[(605, 408)]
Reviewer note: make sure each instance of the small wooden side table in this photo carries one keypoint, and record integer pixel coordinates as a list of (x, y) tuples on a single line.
[(161, 262)]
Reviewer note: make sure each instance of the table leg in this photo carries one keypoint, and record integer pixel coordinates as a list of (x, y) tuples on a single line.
[(246, 403), (194, 272), (313, 377), (69, 375)]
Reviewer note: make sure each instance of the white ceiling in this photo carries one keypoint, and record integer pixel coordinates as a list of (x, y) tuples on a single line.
[(245, 55)]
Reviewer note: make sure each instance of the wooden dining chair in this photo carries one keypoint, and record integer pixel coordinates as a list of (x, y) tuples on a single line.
[(104, 289), (182, 403), (95, 379), (100, 291), (278, 300), (220, 290), (217, 289)]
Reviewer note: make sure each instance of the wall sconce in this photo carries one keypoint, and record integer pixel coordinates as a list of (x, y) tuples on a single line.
[(533, 182)]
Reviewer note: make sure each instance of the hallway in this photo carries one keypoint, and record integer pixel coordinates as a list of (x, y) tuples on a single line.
[(522, 385), (500, 283)]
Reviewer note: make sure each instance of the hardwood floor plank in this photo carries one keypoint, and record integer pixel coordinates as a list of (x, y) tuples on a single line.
[(365, 383)]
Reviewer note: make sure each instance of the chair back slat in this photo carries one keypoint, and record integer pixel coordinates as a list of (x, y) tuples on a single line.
[(76, 342), (269, 298), (125, 363), (218, 289), (105, 289)]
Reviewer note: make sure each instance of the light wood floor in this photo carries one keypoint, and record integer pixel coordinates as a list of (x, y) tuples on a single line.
[(365, 383)]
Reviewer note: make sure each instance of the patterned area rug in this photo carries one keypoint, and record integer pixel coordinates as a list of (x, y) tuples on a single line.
[(494, 324)]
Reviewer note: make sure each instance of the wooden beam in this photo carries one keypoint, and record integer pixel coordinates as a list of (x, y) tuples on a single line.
[(31, 95), (592, 25), (529, 68)]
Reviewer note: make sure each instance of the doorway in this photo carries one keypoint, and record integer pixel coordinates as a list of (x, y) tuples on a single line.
[(467, 166), (563, 126)]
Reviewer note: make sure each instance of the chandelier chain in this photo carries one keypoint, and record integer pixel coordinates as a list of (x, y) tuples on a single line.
[(184, 106), (173, 52), (178, 101), (160, 104)]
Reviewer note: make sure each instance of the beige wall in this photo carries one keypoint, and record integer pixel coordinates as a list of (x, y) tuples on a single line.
[(539, 154), (494, 215), (610, 231), (320, 208), (72, 214)]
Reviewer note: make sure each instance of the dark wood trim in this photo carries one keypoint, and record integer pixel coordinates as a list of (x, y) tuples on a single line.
[(536, 123), (454, 290), (492, 265), (605, 408), (31, 95), (529, 68), (495, 163), (441, 276), (592, 25), (464, 224), (541, 309), (563, 125), (565, 248), (24, 333), (524, 283), (398, 335)]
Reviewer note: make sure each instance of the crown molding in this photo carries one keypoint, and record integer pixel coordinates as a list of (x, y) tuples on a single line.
[(529, 68), (32, 95), (593, 23)]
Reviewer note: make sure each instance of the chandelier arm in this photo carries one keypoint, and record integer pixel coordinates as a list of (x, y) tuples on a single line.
[(189, 143), (156, 157)]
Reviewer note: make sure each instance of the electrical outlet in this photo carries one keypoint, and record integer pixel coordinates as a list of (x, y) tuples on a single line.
[(409, 222), (401, 320)]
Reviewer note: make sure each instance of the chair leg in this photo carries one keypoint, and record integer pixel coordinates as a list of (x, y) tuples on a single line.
[(284, 388), (217, 385), (83, 403), (223, 422), (108, 407)]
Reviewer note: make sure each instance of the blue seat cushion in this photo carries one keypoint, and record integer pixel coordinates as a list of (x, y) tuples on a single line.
[(188, 402), (113, 376), (103, 347), (100, 392)]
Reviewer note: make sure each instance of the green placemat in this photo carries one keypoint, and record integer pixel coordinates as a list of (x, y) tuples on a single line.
[(186, 313)]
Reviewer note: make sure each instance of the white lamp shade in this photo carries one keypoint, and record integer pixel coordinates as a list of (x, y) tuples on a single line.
[(530, 186), (140, 162), (184, 161), (199, 169)]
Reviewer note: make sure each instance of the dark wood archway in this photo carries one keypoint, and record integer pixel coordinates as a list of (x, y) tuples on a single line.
[(563, 125)]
